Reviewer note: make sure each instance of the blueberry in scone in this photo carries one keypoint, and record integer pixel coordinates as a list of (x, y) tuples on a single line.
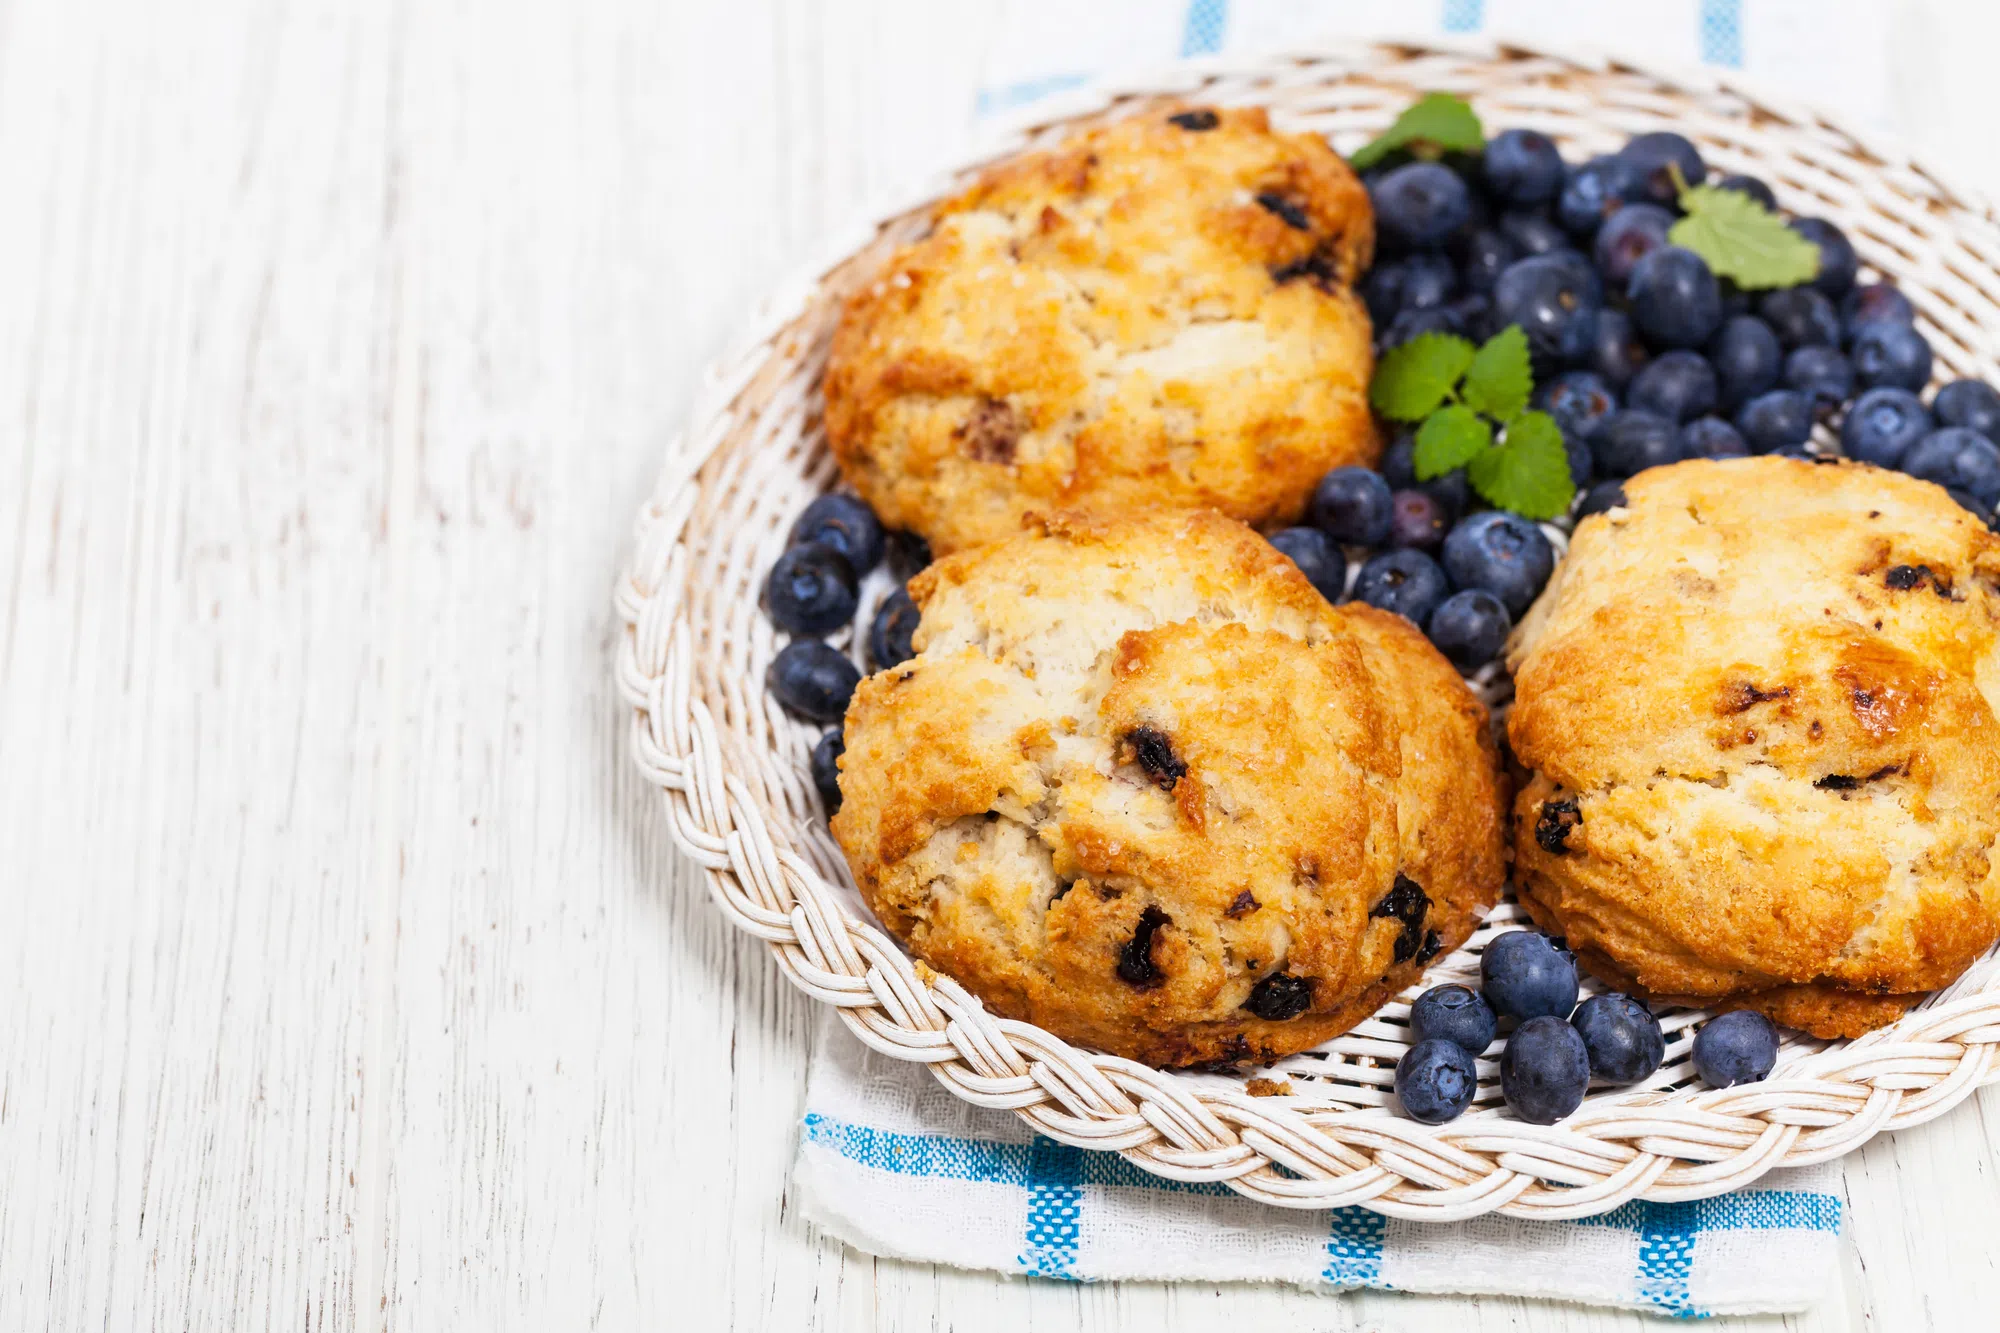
[(1156, 313), (1759, 705), (1145, 787)]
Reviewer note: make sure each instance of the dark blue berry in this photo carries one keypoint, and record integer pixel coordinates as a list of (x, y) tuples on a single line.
[(1748, 359), (1417, 520), (1382, 291), (1837, 261), (1554, 306), (826, 768), (1544, 1071), (1399, 468), (1600, 497), (1751, 186), (1737, 1047), (1318, 558), (1435, 1081), (1525, 974), (1633, 441), (1584, 273), (1582, 462), (1399, 461), (1774, 420), (1675, 300), (812, 680), (1957, 458), (1474, 312), (1984, 513), (1969, 403), (907, 553), (1485, 256), (1420, 205), (811, 590), (1353, 506), (1616, 351), (1470, 628), (1502, 553), (1522, 168), (1895, 355), (1407, 582), (1627, 237), (1801, 317), (1883, 425), (1712, 437), (1874, 302), (1533, 234), (1456, 1015), (1823, 375), (1416, 282), (1594, 191), (844, 523), (1621, 1036), (1678, 385), (1654, 156), (1411, 324), (1580, 401), (890, 632)]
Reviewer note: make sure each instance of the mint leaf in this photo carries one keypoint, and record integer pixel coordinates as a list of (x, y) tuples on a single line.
[(1436, 123), (1499, 380), (1450, 438), (1529, 472), (1743, 240), (1413, 379)]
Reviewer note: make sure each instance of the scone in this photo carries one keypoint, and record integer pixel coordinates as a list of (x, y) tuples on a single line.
[(1155, 314), (1758, 701), (1143, 786)]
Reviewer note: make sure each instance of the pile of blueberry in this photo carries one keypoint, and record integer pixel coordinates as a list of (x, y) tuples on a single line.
[(1558, 1045)]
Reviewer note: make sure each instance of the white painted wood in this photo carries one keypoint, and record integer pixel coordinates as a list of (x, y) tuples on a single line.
[(346, 978)]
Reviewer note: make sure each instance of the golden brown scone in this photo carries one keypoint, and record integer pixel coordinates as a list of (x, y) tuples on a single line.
[(1143, 786), (1154, 314), (1759, 706)]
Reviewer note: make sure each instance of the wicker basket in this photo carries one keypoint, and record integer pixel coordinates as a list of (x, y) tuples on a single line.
[(739, 801)]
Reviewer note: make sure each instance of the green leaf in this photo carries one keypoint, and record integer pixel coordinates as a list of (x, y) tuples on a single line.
[(1436, 123), (1450, 437), (1743, 240), (1413, 379), (1499, 380), (1529, 472)]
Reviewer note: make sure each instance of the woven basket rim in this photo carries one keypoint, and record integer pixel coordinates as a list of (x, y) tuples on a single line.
[(1621, 1146)]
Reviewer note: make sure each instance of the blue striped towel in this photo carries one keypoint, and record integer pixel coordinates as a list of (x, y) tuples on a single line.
[(894, 1165)]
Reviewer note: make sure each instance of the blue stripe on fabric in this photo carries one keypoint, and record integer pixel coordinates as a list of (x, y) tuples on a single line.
[(1017, 94), (1464, 15), (1722, 33), (1354, 1248), (921, 1154), (1750, 1210), (1201, 33), (1055, 1209)]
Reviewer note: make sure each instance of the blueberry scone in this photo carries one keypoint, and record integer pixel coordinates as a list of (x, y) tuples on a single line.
[(1143, 786), (1154, 314), (1759, 703)]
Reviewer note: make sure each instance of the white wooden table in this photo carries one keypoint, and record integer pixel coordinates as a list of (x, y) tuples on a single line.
[(347, 979)]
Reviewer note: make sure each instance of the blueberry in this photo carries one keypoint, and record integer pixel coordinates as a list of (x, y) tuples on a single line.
[(1456, 1015), (1957, 458), (1318, 558), (1892, 354), (1801, 317), (1600, 497), (1621, 1036), (1627, 237), (844, 523), (811, 590), (1748, 359), (1399, 461), (1837, 261), (1582, 462), (1407, 582), (1712, 437), (1883, 425), (1580, 401), (1678, 385), (1584, 273), (1751, 186), (1969, 403), (1382, 291), (826, 768), (1416, 282), (1474, 313), (1737, 1047), (1470, 628), (1525, 974), (1616, 351), (1352, 505), (1676, 301), (1774, 420), (1554, 306), (1435, 1081), (1594, 191), (1874, 302), (1399, 468), (1533, 234), (1522, 168), (812, 680), (1984, 513), (1823, 375), (1416, 519), (890, 632), (1415, 323), (908, 553), (1501, 553), (1420, 205), (1484, 257), (1633, 441), (1735, 301), (1544, 1071), (1654, 156)]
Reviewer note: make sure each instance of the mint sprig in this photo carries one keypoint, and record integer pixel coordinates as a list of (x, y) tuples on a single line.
[(1740, 238), (1457, 394), (1433, 125)]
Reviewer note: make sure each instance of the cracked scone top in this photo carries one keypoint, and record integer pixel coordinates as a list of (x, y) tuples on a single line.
[(1153, 314), (1759, 703), (1143, 786)]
